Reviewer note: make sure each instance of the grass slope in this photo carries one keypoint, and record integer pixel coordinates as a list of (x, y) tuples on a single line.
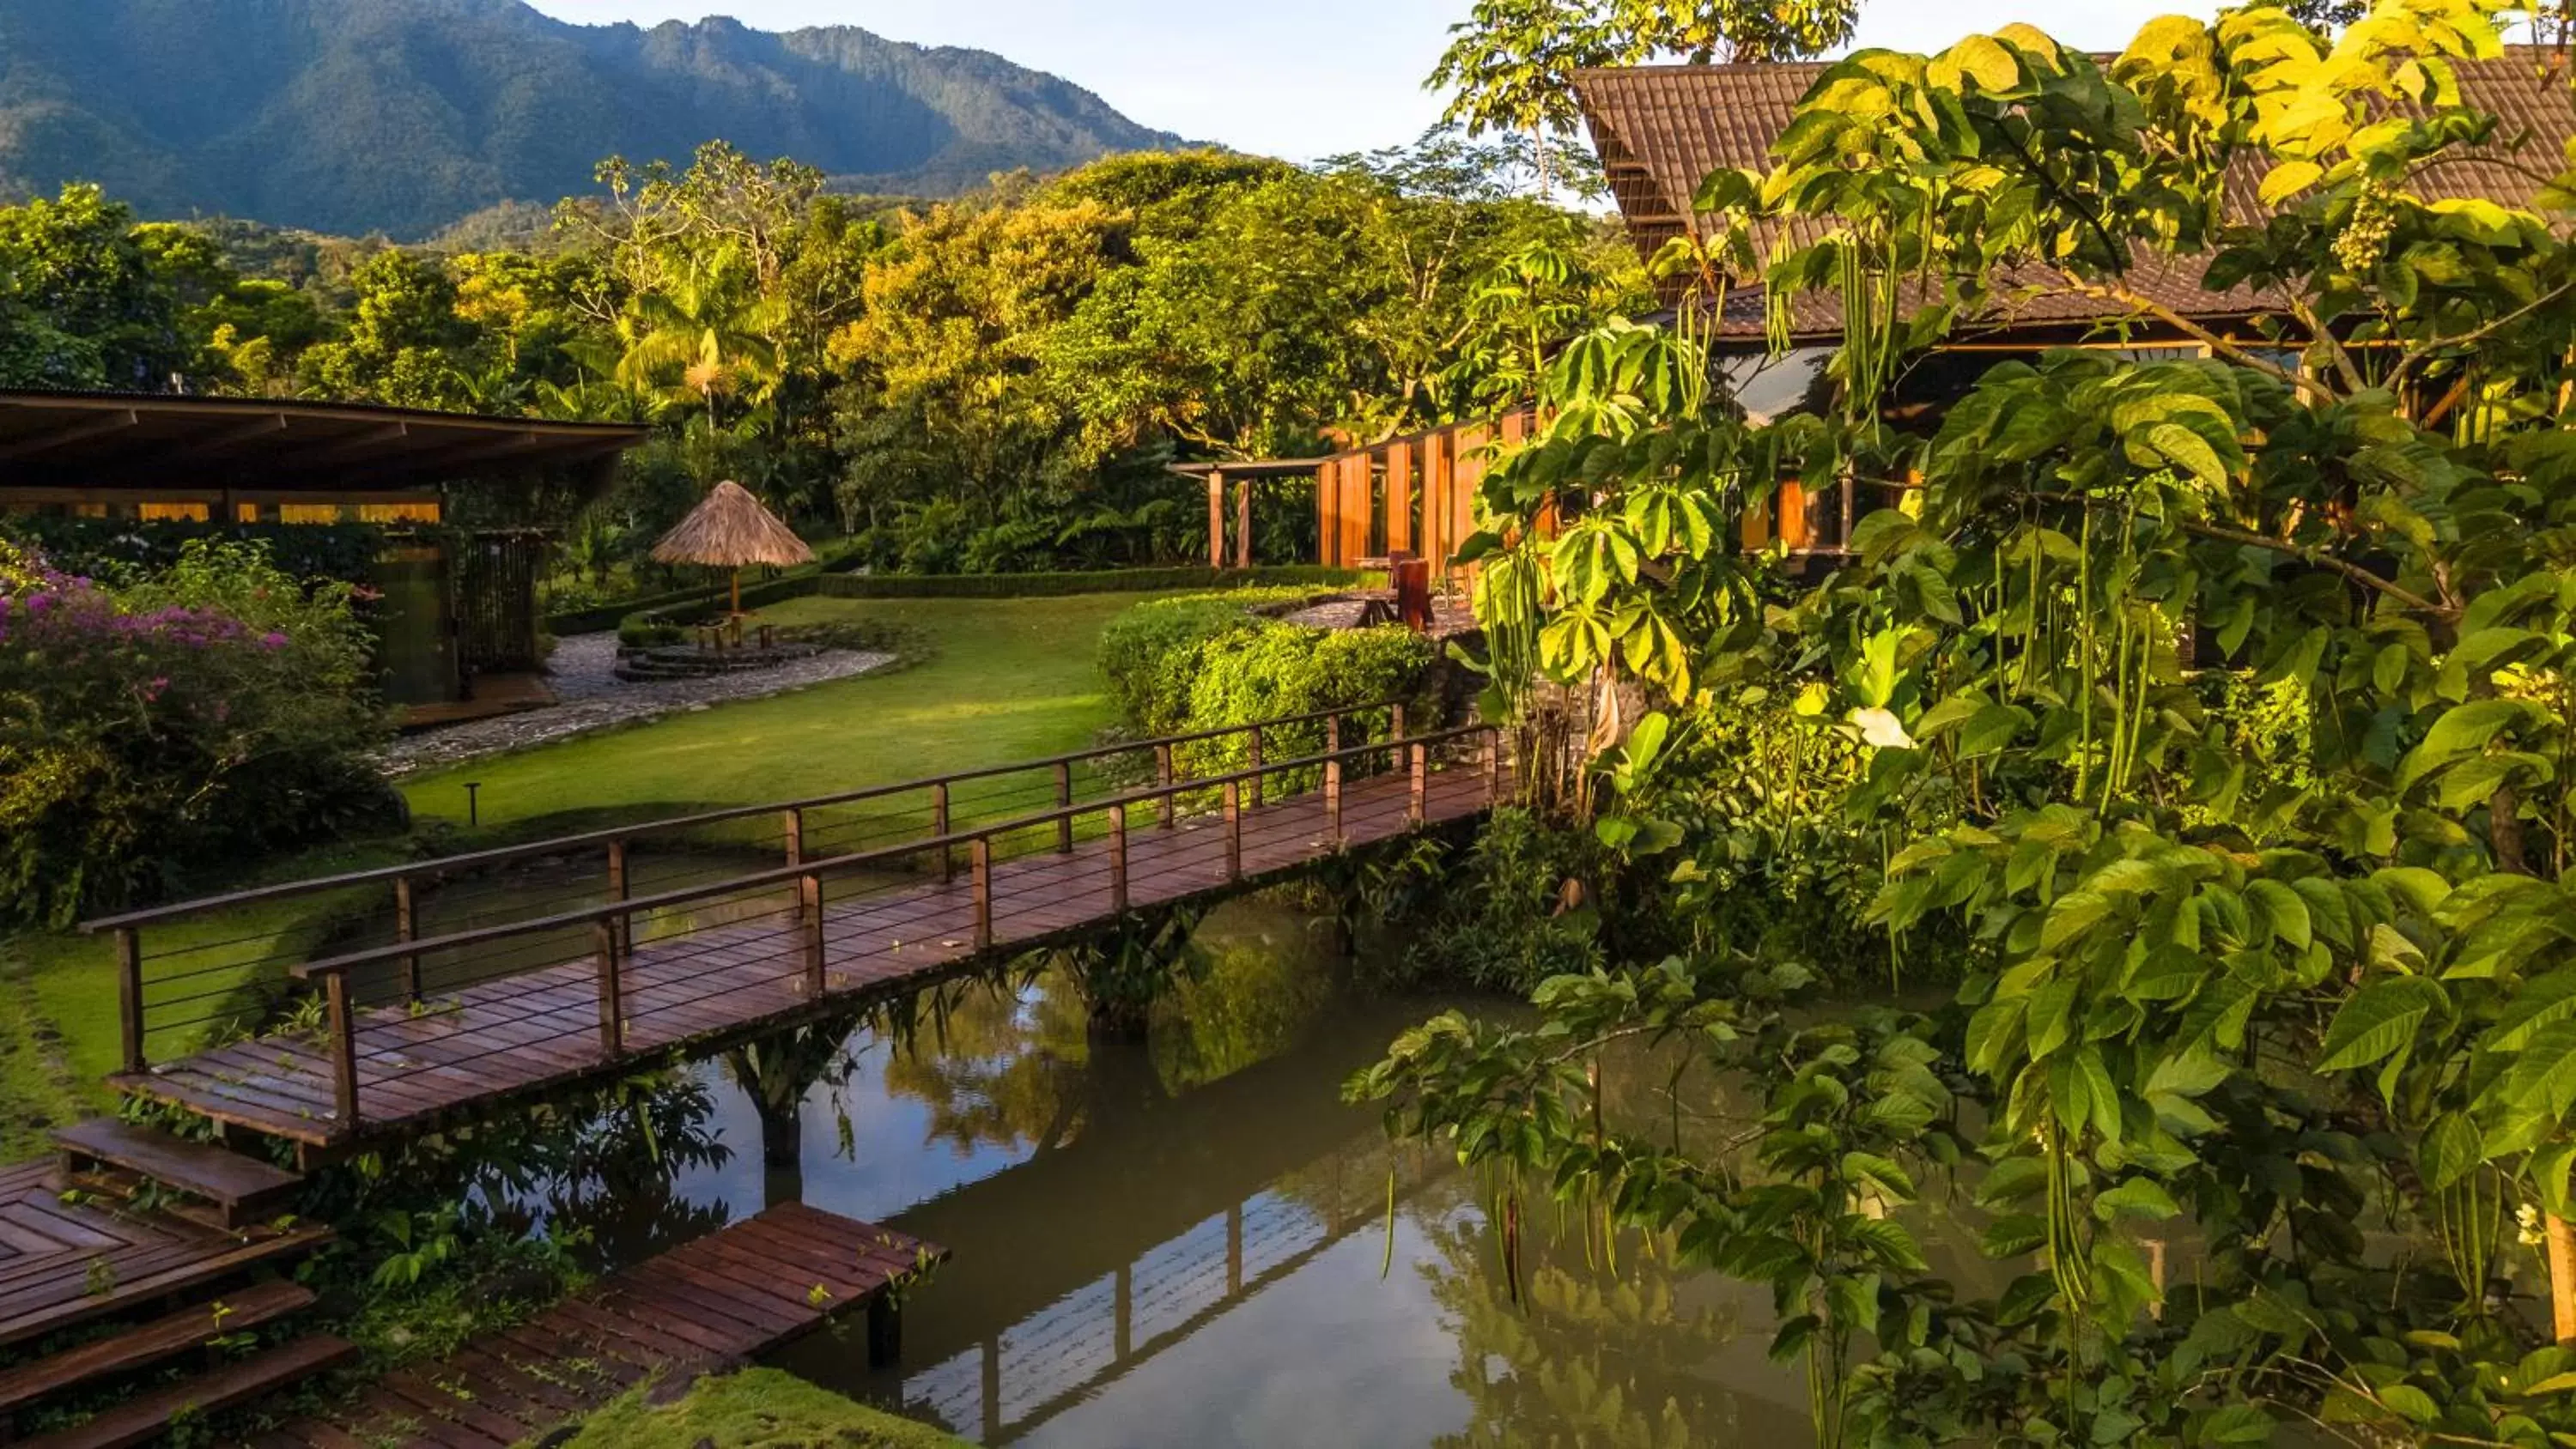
[(755, 1409), (1008, 679)]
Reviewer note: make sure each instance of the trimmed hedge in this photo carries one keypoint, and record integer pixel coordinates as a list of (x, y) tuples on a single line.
[(1104, 581)]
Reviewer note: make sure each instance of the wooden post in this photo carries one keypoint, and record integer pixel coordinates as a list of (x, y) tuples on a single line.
[(939, 828), (1118, 859), (1233, 832), (809, 914), (983, 892), (1324, 551), (1163, 780), (612, 988), (1395, 721), (1243, 523), (1063, 801), (793, 828), (1333, 798), (1417, 797), (1256, 767), (1122, 1339), (344, 1049), (129, 994), (1216, 521), (617, 891), (405, 929), (2562, 1279), (885, 1330), (1233, 1249), (1399, 498)]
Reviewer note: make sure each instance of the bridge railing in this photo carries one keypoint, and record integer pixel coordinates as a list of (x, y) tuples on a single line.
[(200, 970), (766, 943)]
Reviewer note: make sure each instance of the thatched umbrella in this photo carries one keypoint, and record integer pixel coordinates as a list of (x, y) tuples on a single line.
[(730, 530)]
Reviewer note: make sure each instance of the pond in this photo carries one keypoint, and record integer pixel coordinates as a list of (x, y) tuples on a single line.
[(1186, 1240)]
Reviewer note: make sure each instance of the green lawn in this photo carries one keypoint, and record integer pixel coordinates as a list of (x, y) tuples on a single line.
[(1009, 679)]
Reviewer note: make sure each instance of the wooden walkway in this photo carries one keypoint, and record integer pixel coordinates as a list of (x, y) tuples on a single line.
[(63, 1264), (704, 1307), (403, 1068)]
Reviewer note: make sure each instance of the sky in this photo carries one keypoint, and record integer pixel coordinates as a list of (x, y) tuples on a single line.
[(1293, 78)]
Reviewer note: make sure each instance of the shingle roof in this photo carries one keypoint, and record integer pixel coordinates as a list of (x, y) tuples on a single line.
[(1660, 129)]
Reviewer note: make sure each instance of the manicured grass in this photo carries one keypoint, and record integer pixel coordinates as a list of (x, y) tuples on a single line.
[(755, 1409), (1008, 679)]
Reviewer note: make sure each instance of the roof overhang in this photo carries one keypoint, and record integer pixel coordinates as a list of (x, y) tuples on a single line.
[(60, 440)]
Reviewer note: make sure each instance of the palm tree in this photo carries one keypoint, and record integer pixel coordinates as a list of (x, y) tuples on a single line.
[(709, 331)]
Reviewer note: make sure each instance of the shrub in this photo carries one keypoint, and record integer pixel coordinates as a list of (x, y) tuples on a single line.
[(218, 710)]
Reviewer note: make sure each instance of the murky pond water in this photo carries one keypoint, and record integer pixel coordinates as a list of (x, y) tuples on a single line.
[(1186, 1241)]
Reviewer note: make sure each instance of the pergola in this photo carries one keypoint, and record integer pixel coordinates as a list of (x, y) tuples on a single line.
[(1243, 474)]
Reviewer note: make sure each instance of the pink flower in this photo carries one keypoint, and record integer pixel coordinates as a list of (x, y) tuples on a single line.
[(272, 640)]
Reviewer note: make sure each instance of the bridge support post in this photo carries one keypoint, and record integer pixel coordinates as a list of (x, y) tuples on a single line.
[(939, 831), (1118, 859), (983, 893), (129, 994), (344, 1050), (406, 928), (1233, 831), (1418, 790), (1163, 779), (1256, 767), (1063, 801), (809, 917), (612, 989), (1333, 799), (792, 831), (1395, 720), (885, 1330)]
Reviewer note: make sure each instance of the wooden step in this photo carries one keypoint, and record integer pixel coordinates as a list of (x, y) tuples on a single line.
[(142, 1347), (245, 1189), (142, 1419)]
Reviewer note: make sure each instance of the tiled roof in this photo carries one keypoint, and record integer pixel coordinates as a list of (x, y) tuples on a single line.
[(1660, 129)]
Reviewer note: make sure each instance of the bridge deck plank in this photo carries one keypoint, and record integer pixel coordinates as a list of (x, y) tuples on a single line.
[(529, 1031)]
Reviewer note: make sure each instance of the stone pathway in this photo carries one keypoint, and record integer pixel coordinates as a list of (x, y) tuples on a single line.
[(582, 673)]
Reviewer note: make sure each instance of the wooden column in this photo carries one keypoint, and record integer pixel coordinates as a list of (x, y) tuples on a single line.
[(1063, 801), (939, 830), (1233, 832), (1418, 793), (1243, 523), (1399, 498), (1118, 859), (612, 988), (344, 1049), (1255, 742), (617, 891), (1163, 778), (983, 865), (1324, 536), (129, 995), (1216, 520), (406, 928), (2562, 1280), (1437, 453), (809, 914), (1358, 472)]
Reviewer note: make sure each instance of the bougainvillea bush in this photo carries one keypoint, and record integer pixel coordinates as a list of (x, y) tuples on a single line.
[(219, 709)]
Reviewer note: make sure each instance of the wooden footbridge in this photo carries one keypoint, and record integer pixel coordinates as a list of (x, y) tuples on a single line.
[(661, 939)]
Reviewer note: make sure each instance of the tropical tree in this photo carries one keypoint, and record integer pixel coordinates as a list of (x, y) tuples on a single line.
[(2210, 720)]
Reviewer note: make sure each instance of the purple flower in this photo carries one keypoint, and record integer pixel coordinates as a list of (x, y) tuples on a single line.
[(272, 640)]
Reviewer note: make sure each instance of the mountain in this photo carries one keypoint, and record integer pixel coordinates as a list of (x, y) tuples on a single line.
[(404, 116)]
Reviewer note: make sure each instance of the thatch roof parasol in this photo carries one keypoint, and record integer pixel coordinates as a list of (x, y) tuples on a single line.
[(731, 530)]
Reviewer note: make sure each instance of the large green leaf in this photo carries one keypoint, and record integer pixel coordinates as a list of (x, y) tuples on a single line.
[(2381, 1018)]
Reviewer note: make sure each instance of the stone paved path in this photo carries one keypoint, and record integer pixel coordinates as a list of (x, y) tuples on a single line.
[(582, 672)]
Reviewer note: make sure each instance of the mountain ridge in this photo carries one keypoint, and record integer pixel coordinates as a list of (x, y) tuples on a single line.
[(404, 116)]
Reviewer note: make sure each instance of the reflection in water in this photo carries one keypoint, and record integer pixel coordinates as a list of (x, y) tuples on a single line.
[(1187, 1241)]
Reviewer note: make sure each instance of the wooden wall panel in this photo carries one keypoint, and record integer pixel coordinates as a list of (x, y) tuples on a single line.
[(1399, 498), (1437, 546), (1325, 539)]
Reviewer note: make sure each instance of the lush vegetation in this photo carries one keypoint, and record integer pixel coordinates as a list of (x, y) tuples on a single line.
[(219, 708), (754, 1409), (990, 385), (1198, 662), (2204, 720), (406, 116)]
